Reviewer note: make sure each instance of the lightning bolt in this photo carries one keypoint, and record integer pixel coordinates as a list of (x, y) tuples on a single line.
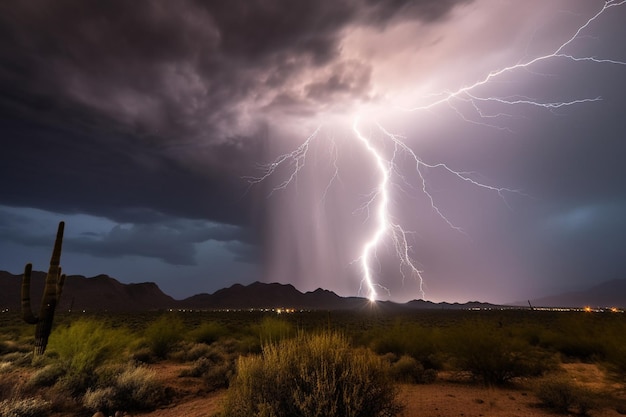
[(385, 226)]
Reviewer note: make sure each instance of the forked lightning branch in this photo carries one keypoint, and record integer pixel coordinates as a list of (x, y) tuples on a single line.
[(386, 229)]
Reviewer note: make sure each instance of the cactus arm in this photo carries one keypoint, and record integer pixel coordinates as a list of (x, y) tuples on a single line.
[(60, 283), (51, 294), (27, 312), (58, 245), (52, 279)]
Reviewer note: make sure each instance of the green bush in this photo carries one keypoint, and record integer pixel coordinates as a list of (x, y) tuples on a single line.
[(208, 332), (272, 329), (493, 355), (84, 346), (27, 407), (164, 334), (312, 375)]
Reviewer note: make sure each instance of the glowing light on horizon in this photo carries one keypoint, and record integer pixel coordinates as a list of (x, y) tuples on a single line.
[(385, 226)]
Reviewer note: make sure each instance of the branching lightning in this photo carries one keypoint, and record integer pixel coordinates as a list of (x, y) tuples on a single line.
[(385, 225)]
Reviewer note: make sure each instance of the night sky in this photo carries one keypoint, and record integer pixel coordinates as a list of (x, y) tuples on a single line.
[(143, 123)]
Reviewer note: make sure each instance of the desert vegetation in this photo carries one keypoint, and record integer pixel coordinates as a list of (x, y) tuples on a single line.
[(305, 363)]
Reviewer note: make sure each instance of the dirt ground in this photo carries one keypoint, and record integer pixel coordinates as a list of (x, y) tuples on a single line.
[(447, 397)]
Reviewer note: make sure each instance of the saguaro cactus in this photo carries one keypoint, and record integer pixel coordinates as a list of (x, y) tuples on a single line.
[(51, 295)]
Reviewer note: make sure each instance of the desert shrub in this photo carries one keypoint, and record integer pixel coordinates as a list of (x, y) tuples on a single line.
[(5, 367), (142, 355), (99, 399), (247, 344), (414, 340), (82, 347), (616, 358), (272, 329), (408, 369), (219, 375), (614, 340), (200, 367), (493, 355), (18, 358), (312, 375), (164, 334), (189, 352), (129, 389), (207, 332), (46, 376), (533, 334), (198, 351), (137, 389), (10, 386), (578, 337), (27, 407), (562, 396), (216, 369)]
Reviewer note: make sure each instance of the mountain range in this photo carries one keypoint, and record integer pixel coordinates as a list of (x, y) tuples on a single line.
[(103, 293), (606, 294)]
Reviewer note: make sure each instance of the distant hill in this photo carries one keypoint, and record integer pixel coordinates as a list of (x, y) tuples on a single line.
[(261, 295), (607, 294), (99, 293), (103, 293)]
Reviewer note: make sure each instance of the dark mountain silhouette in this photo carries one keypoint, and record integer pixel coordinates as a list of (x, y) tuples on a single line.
[(421, 304), (103, 293), (98, 293), (261, 295), (607, 294)]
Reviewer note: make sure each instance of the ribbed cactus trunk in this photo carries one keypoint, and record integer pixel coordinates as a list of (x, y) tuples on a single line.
[(51, 295)]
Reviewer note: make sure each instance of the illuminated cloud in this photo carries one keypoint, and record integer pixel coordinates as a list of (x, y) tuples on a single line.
[(149, 114)]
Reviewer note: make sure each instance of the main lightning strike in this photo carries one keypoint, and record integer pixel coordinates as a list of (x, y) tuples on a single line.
[(385, 167)]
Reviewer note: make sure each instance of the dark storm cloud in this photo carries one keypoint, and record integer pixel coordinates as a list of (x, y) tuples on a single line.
[(70, 172), (382, 11), (103, 102), (171, 240)]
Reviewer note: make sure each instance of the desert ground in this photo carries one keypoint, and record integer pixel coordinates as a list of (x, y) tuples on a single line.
[(451, 395), (167, 364)]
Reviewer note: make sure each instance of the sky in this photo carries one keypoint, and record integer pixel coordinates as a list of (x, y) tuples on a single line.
[(147, 125)]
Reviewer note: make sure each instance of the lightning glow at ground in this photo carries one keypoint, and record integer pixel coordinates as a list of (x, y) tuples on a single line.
[(386, 228)]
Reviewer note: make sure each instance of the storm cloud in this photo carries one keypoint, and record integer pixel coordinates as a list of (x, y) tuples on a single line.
[(148, 117)]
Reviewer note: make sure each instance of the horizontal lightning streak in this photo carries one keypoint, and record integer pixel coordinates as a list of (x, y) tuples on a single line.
[(557, 53)]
